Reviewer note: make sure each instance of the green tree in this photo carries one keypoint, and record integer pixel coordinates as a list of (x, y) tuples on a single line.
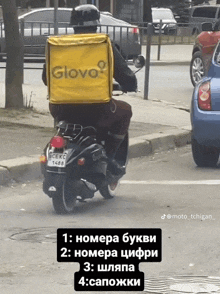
[(14, 49), (198, 2), (177, 3)]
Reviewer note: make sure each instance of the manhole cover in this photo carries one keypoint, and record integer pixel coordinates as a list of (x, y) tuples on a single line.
[(183, 284), (39, 235)]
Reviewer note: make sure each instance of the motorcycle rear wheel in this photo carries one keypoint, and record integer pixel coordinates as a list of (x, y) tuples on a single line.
[(64, 200), (109, 191)]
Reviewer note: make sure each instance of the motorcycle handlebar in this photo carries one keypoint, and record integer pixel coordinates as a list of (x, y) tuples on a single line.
[(116, 87), (139, 63)]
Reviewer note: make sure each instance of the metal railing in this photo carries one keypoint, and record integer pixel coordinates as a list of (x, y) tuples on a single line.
[(183, 34), (35, 34), (126, 39)]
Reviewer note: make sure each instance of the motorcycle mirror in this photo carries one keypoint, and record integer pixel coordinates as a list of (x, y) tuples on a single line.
[(139, 62), (206, 26)]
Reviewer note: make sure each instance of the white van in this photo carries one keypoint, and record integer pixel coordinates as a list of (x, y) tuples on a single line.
[(169, 24)]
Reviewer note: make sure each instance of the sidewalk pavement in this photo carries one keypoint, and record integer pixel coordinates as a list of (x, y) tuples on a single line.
[(155, 126), (177, 54)]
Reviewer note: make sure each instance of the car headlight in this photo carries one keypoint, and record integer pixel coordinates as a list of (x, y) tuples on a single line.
[(171, 25)]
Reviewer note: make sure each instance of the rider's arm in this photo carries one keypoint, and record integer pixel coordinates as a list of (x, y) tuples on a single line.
[(122, 73)]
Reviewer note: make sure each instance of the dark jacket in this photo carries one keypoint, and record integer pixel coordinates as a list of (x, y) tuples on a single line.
[(122, 73)]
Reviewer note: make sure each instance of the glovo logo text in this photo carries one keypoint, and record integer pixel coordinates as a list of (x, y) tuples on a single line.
[(63, 72)]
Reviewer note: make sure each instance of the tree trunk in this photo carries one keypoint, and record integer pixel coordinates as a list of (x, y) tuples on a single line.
[(15, 55)]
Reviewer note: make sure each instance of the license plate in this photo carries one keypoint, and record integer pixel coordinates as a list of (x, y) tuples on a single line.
[(57, 159)]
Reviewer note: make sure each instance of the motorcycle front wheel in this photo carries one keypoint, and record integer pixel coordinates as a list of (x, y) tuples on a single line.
[(109, 191), (64, 200)]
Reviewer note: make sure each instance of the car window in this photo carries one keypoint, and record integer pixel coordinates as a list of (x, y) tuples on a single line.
[(40, 16), (109, 20), (38, 19), (64, 15), (162, 14), (218, 14), (46, 17), (208, 12)]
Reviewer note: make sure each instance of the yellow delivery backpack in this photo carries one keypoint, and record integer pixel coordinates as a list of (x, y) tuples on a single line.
[(79, 68)]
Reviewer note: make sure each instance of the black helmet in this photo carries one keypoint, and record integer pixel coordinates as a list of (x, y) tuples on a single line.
[(85, 15)]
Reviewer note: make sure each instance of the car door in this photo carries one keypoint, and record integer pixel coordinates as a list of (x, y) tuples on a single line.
[(39, 25), (64, 26), (36, 27)]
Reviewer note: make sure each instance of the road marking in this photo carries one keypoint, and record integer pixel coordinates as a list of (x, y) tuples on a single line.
[(201, 182)]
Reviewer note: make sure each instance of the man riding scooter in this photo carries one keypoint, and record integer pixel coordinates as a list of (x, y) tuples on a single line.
[(112, 119)]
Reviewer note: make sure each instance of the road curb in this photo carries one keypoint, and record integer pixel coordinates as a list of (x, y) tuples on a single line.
[(28, 168), (169, 63), (24, 168), (149, 144), (165, 63)]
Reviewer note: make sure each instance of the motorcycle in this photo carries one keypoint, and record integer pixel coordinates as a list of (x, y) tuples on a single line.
[(75, 166)]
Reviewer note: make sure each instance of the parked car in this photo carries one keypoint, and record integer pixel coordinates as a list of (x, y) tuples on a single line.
[(201, 14), (205, 115), (38, 24), (169, 24), (203, 50)]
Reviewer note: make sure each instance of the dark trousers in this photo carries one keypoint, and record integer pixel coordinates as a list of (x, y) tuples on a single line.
[(113, 116)]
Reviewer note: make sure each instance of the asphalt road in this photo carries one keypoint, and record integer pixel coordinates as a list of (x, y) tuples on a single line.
[(165, 190)]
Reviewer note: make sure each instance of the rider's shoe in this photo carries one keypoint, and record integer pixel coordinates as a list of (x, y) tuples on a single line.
[(115, 168)]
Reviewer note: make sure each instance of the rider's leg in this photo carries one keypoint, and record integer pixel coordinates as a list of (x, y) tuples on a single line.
[(113, 143), (119, 120)]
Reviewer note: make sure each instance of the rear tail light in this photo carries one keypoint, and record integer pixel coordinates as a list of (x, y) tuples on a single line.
[(204, 98), (57, 142), (81, 161), (135, 30)]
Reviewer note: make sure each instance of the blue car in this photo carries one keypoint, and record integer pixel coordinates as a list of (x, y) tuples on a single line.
[(205, 116)]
